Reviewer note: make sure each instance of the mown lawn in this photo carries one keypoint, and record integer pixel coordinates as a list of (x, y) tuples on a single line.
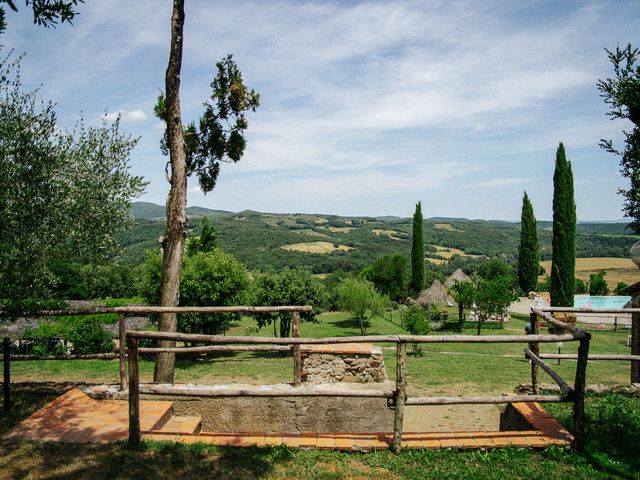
[(442, 369)]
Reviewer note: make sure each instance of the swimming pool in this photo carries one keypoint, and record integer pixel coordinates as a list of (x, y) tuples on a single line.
[(613, 301)]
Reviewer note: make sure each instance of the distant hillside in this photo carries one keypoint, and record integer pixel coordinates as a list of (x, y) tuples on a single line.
[(325, 243), (151, 211)]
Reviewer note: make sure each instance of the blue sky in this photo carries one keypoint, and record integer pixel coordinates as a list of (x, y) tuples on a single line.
[(367, 107)]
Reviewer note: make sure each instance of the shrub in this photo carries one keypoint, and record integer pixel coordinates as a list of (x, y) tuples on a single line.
[(88, 336), (45, 340), (416, 323)]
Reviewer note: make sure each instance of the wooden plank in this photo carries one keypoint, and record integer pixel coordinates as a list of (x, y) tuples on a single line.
[(134, 392), (566, 389), (535, 348), (635, 342), (70, 356), (262, 391), (578, 402), (635, 309), (150, 309), (597, 357), (6, 373), (400, 396), (218, 348), (551, 319), (485, 400), (297, 353), (122, 350), (190, 337)]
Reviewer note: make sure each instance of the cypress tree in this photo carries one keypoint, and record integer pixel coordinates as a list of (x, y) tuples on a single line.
[(417, 251), (528, 254), (563, 264)]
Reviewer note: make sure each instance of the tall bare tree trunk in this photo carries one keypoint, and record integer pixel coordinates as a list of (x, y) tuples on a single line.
[(176, 230)]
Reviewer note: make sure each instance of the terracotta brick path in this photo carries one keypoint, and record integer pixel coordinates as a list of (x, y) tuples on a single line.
[(76, 418)]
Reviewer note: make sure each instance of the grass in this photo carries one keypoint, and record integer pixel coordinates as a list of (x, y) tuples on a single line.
[(613, 433), (446, 368)]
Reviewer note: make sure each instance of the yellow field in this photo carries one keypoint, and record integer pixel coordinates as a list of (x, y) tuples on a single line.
[(315, 247), (437, 261), (447, 253), (618, 269), (390, 233), (448, 227), (338, 229)]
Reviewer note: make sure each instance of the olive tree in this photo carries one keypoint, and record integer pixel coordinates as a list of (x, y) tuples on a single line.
[(360, 298), (62, 193)]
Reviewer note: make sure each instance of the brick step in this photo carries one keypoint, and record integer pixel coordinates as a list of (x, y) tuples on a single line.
[(180, 426)]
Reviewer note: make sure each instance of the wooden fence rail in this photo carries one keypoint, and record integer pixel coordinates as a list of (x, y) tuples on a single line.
[(399, 395)]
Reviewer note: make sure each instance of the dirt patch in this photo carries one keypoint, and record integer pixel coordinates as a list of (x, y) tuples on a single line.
[(618, 269), (389, 233), (451, 418)]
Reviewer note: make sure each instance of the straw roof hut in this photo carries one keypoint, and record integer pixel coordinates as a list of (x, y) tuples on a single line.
[(434, 295), (458, 276)]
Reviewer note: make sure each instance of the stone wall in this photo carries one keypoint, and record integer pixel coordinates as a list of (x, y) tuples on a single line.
[(356, 362)]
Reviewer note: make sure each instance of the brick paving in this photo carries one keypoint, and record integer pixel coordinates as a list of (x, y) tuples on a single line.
[(76, 418)]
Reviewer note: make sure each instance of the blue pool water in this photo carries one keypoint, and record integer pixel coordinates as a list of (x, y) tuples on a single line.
[(613, 301)]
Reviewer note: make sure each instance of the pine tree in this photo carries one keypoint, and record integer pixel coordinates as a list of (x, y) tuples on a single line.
[(528, 254), (417, 252), (563, 264)]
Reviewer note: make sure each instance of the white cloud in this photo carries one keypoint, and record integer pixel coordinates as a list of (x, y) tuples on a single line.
[(501, 182), (131, 116)]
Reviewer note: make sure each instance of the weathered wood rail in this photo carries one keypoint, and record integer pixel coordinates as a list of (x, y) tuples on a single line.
[(398, 396)]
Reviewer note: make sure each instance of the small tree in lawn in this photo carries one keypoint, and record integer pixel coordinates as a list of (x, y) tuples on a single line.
[(464, 294), (416, 323), (360, 298), (288, 287), (493, 297)]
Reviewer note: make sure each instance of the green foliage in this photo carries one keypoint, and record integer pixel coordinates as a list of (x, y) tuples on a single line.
[(212, 278), (563, 266), (45, 338), (494, 268), (464, 293), (62, 194), (529, 251), (46, 13), (390, 275), (416, 323), (620, 287), (207, 241), (597, 284), (219, 136), (88, 336), (360, 298), (580, 286), (493, 297), (288, 287), (622, 94), (417, 252)]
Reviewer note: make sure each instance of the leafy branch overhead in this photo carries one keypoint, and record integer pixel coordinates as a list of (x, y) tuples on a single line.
[(622, 94), (46, 13), (219, 134)]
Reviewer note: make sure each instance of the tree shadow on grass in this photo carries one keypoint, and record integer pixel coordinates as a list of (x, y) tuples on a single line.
[(59, 461)]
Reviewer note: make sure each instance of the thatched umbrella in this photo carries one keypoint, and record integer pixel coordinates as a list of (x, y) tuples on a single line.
[(434, 295), (457, 276)]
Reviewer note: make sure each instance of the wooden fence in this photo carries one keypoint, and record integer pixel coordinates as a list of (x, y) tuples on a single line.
[(398, 396)]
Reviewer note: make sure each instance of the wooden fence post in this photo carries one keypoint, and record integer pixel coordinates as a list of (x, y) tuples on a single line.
[(400, 395), (297, 351), (6, 378), (635, 341), (579, 389), (134, 393), (122, 350), (535, 349)]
